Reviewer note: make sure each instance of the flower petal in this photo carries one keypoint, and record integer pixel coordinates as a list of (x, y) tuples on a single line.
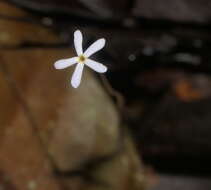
[(76, 78), (96, 46), (63, 63), (78, 38), (96, 66)]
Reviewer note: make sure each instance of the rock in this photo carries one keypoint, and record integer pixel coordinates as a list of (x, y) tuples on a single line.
[(122, 172), (84, 127), (76, 125)]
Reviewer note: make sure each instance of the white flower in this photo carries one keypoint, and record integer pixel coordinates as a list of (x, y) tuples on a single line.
[(82, 58)]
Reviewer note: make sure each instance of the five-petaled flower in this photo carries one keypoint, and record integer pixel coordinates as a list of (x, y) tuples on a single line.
[(82, 59)]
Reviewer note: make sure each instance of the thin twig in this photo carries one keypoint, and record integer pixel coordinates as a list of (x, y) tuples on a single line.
[(120, 102)]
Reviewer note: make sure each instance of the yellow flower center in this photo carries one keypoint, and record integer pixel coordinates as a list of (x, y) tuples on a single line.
[(81, 58)]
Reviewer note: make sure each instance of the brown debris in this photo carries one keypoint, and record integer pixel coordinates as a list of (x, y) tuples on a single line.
[(15, 32), (22, 159), (193, 88), (8, 10)]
